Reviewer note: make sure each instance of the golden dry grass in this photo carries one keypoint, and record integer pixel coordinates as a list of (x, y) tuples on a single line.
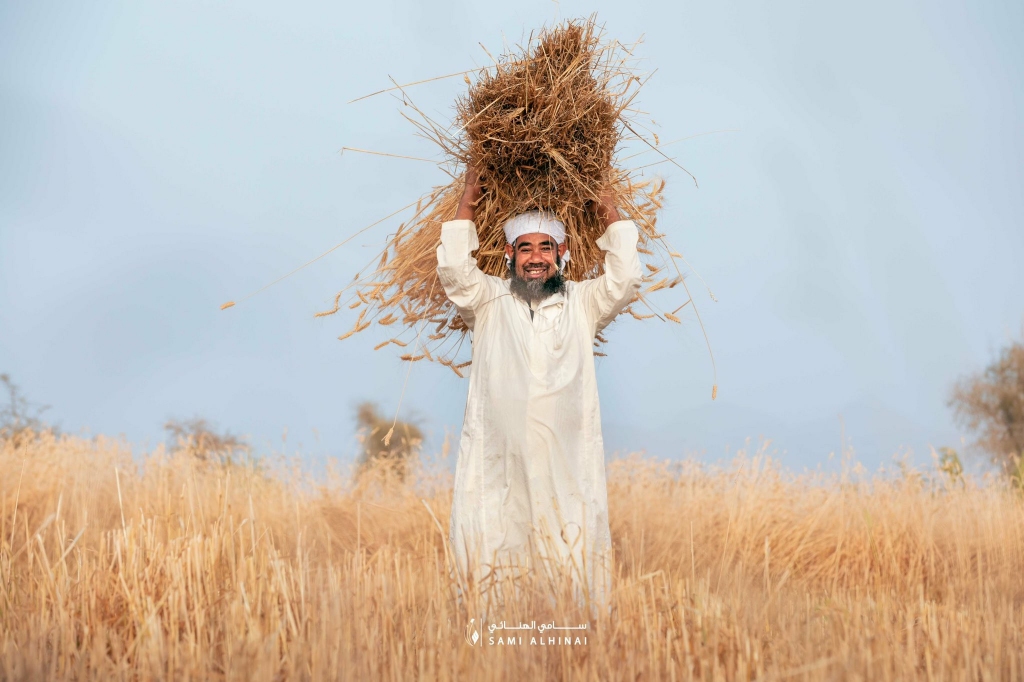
[(174, 569)]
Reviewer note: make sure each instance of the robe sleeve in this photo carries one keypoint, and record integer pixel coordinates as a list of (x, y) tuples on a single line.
[(464, 283), (604, 297)]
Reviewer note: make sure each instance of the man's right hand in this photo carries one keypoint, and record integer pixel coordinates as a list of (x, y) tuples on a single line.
[(470, 195)]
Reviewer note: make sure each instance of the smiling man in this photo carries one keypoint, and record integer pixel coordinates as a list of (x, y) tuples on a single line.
[(530, 485), (536, 244)]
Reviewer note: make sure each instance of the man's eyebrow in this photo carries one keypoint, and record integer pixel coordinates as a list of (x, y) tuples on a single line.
[(524, 245)]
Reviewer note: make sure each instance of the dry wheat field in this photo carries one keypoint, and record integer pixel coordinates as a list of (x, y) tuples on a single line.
[(117, 565)]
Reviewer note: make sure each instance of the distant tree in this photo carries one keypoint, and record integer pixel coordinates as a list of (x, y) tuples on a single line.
[(948, 462), (991, 405), (388, 443), (19, 417), (199, 438)]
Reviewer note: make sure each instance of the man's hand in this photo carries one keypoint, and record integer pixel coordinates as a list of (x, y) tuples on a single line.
[(607, 211), (470, 195)]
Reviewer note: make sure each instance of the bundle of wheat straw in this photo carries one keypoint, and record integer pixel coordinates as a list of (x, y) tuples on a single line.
[(542, 126)]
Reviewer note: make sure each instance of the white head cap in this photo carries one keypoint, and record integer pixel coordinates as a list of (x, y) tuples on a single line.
[(534, 221)]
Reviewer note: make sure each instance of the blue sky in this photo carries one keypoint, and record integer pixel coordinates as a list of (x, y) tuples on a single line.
[(860, 226)]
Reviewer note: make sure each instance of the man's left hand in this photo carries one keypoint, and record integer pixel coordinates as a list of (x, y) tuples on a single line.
[(606, 208)]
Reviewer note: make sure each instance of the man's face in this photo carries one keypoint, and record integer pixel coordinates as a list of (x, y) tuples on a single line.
[(533, 256)]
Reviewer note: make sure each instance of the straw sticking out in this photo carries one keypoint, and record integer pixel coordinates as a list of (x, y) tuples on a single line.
[(542, 125)]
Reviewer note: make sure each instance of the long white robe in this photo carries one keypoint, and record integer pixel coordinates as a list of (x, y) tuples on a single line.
[(530, 479)]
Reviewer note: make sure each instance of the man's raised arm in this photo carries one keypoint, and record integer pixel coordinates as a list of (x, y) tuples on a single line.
[(464, 283), (607, 295)]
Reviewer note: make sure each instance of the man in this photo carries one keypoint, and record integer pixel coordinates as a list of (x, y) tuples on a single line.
[(530, 480)]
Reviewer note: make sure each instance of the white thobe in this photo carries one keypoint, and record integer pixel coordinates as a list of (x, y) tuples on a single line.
[(530, 478)]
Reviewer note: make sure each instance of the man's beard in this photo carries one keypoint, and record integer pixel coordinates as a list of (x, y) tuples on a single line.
[(535, 290)]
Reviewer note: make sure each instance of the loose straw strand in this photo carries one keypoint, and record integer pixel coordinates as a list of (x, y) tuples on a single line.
[(229, 304)]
